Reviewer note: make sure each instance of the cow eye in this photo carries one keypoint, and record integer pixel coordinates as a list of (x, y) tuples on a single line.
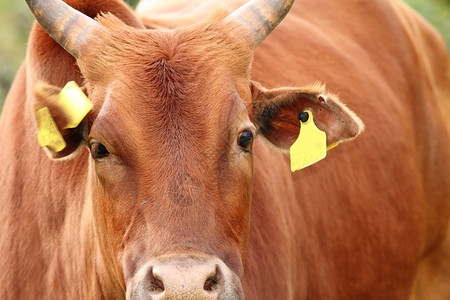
[(245, 139), (99, 151)]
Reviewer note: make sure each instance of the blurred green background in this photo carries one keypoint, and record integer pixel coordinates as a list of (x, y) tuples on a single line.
[(15, 23)]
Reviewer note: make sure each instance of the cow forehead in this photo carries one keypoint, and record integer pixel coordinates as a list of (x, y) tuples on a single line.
[(166, 56), (222, 109), (177, 127), (168, 73), (167, 91)]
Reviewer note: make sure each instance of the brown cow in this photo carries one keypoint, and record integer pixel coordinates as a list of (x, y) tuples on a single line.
[(168, 198)]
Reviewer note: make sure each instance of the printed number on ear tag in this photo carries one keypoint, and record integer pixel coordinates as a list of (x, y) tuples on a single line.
[(49, 135), (311, 144), (74, 103)]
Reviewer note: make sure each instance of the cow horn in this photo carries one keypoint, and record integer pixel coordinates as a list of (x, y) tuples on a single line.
[(67, 26), (260, 17)]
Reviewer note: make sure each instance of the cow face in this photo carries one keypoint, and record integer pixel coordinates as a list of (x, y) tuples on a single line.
[(170, 137), (171, 142)]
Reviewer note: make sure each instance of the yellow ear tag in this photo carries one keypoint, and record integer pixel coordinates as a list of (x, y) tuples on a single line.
[(311, 144), (74, 103), (49, 135)]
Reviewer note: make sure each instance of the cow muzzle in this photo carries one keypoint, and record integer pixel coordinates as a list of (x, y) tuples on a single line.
[(187, 278)]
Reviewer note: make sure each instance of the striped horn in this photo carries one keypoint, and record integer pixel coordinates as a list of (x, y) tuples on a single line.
[(67, 26), (260, 17)]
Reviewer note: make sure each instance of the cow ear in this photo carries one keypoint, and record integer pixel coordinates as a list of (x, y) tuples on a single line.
[(58, 133), (275, 114)]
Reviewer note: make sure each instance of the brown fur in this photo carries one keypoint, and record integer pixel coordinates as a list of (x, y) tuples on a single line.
[(368, 222)]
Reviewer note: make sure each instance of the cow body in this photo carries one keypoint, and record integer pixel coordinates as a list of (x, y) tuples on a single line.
[(371, 221), (387, 195)]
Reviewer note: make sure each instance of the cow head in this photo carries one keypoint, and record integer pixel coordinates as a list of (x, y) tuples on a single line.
[(170, 136)]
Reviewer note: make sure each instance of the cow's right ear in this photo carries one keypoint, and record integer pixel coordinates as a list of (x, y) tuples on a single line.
[(57, 132)]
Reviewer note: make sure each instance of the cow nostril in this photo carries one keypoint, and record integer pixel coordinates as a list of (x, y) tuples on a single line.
[(210, 284), (155, 283), (213, 280)]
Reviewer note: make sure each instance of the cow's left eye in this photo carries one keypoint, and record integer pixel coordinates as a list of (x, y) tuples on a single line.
[(245, 139), (99, 151)]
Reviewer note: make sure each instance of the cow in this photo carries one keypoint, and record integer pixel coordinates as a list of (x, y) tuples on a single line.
[(177, 183)]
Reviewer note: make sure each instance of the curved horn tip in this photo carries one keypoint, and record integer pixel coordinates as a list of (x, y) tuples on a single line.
[(261, 17), (66, 25)]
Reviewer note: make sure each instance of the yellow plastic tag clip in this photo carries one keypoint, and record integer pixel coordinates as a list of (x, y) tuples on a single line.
[(49, 135), (74, 103), (75, 106), (310, 146)]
